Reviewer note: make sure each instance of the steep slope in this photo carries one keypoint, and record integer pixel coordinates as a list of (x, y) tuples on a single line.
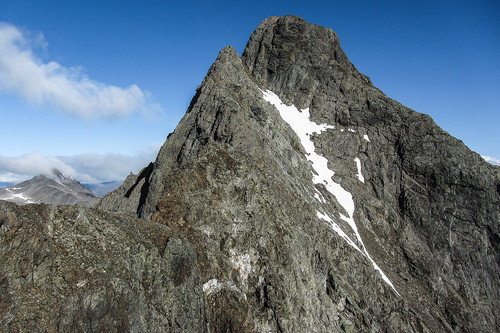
[(56, 189), (429, 197), (367, 216)]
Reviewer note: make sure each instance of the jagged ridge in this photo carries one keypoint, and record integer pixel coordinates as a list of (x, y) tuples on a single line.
[(409, 188)]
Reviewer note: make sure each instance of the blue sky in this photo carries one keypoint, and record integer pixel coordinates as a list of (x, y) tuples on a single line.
[(94, 87)]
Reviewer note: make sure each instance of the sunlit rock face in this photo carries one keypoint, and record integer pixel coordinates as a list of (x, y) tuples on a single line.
[(292, 197)]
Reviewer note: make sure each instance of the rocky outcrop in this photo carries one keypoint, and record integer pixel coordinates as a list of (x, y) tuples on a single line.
[(300, 199), (130, 196), (74, 269), (235, 179)]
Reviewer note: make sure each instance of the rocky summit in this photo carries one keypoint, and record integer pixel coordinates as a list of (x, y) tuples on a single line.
[(293, 196)]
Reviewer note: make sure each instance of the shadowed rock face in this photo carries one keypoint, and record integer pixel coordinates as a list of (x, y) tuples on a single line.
[(430, 206), (404, 236)]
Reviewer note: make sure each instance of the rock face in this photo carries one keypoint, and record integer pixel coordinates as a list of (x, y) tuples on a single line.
[(56, 189), (74, 269), (298, 197), (130, 196)]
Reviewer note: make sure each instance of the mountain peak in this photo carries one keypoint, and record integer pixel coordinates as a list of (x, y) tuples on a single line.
[(56, 188), (59, 176), (310, 195), (297, 60), (225, 58), (228, 52), (293, 196)]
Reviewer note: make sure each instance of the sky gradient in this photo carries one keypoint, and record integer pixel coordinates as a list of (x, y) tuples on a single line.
[(94, 87)]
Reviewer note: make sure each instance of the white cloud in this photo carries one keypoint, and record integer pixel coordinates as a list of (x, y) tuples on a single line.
[(33, 164), (109, 167), (86, 168), (9, 177), (68, 89), (491, 160)]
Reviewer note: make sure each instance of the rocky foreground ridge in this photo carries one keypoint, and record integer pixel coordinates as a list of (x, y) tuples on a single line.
[(292, 197)]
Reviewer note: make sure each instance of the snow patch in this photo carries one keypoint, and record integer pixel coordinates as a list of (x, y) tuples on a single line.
[(214, 286), (318, 196), (262, 281), (18, 196), (241, 263), (338, 230), (211, 286), (207, 232), (364, 252), (366, 137), (358, 165), (304, 128), (298, 120)]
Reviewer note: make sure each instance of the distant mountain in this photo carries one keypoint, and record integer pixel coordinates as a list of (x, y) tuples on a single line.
[(5, 184), (101, 189), (56, 189)]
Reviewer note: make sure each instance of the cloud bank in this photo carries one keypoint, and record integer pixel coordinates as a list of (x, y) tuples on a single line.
[(67, 89), (86, 168), (491, 160)]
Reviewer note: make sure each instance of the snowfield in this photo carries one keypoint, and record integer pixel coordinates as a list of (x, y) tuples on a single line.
[(304, 128)]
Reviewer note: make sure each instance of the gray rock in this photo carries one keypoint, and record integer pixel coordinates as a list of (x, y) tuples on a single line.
[(74, 269), (259, 246), (130, 195), (233, 178)]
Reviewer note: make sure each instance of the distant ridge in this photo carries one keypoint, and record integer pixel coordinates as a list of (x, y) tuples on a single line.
[(55, 189), (101, 189)]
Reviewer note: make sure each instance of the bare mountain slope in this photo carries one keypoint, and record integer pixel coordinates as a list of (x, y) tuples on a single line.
[(293, 196), (336, 205), (56, 189)]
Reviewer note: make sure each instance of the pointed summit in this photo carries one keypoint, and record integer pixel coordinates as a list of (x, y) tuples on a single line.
[(298, 60), (316, 203), (61, 177)]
